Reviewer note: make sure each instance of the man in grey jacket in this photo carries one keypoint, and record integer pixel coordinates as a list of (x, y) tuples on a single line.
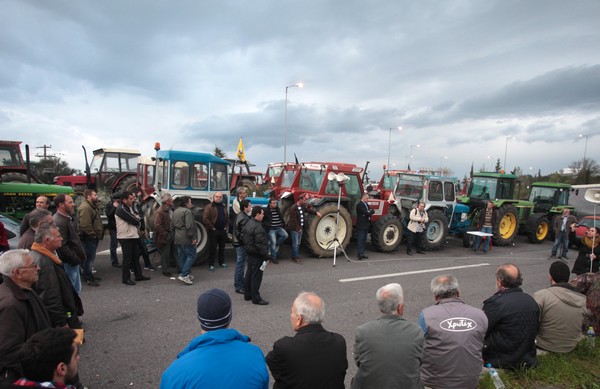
[(186, 237), (387, 351), (454, 333)]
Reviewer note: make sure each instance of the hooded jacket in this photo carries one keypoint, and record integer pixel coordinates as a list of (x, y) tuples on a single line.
[(218, 359), (561, 316)]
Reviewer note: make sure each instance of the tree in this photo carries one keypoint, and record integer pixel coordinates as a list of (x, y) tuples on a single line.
[(217, 152), (47, 168), (587, 171), (498, 166)]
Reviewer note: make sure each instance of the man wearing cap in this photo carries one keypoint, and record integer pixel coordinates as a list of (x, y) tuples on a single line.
[(220, 357), (561, 312)]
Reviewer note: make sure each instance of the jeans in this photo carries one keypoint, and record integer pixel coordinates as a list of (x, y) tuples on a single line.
[(276, 238), (486, 243), (89, 246), (296, 239), (241, 257), (74, 276), (562, 237), (113, 247), (187, 257), (361, 239)]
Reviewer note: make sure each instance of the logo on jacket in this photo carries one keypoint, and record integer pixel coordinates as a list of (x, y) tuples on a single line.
[(458, 324)]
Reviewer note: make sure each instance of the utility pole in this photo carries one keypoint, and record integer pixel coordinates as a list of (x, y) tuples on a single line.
[(45, 155)]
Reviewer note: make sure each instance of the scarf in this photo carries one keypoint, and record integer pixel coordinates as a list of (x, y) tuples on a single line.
[(42, 250)]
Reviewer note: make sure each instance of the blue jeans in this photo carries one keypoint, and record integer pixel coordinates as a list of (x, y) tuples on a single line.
[(276, 238), (113, 247), (361, 239), (296, 239), (74, 276), (89, 246), (241, 257), (562, 237), (187, 257), (486, 243)]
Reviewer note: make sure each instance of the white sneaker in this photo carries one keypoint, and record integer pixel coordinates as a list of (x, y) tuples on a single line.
[(185, 279), (191, 277)]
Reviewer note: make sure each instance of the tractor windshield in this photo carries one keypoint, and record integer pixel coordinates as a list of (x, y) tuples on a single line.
[(550, 196), (311, 179), (218, 177), (410, 186), (389, 182), (287, 179), (481, 187)]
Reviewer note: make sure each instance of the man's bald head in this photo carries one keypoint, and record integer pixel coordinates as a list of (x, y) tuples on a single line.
[(509, 276)]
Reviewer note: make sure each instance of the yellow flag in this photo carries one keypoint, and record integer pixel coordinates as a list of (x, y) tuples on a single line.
[(240, 151)]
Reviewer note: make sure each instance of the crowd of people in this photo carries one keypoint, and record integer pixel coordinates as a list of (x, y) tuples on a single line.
[(40, 304)]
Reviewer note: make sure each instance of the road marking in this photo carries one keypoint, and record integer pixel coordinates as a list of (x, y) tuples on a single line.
[(411, 272)]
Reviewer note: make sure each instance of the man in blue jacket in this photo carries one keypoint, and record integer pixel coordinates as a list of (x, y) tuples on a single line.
[(220, 357)]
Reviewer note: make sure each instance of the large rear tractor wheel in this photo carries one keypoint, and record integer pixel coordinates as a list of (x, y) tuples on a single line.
[(436, 231), (149, 209), (538, 228), (15, 177), (126, 184), (468, 239), (202, 245), (321, 231), (386, 233), (551, 235), (508, 225)]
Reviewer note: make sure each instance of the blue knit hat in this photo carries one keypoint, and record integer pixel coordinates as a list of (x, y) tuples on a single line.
[(214, 309)]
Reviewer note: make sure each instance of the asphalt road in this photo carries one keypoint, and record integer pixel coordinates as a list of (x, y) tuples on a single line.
[(134, 332)]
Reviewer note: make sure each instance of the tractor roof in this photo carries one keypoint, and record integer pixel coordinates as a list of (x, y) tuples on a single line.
[(189, 156), (116, 150), (337, 166), (495, 175), (552, 185)]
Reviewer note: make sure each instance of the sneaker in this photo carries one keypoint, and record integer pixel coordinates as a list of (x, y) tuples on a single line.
[(185, 279), (91, 283), (191, 276), (564, 257), (223, 265), (552, 257), (93, 270), (150, 268), (211, 268)]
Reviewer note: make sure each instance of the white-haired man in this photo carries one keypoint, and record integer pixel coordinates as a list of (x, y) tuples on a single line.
[(387, 351)]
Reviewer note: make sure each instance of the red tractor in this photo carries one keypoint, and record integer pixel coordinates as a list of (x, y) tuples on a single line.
[(12, 166), (111, 170), (312, 179)]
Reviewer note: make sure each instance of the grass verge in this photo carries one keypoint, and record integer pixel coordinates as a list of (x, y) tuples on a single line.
[(577, 369)]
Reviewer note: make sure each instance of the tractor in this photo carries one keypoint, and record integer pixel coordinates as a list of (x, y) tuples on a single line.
[(446, 216), (513, 216), (12, 166), (550, 198), (112, 170), (183, 173), (313, 180)]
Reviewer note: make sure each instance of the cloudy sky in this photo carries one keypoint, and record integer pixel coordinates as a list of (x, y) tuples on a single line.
[(462, 78)]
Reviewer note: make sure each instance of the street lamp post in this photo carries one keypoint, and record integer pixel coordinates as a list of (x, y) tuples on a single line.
[(506, 149), (411, 151), (390, 144), (585, 149), (299, 85), (442, 166)]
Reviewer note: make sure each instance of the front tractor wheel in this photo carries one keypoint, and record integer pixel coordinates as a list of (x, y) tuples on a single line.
[(508, 224), (321, 231), (436, 231), (538, 228), (386, 233)]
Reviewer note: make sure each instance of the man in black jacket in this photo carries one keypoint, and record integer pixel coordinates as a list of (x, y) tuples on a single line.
[(257, 247), (513, 318), (314, 358), (71, 253), (363, 215)]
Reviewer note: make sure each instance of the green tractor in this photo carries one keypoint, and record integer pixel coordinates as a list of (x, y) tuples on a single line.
[(513, 216), (550, 198)]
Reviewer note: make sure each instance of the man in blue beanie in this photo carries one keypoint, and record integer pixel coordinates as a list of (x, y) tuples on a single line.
[(220, 357)]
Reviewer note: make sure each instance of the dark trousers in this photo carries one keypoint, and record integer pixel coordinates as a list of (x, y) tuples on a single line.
[(216, 238), (253, 278), (131, 259), (143, 251), (113, 247), (168, 255), (414, 240), (361, 239), (89, 246)]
